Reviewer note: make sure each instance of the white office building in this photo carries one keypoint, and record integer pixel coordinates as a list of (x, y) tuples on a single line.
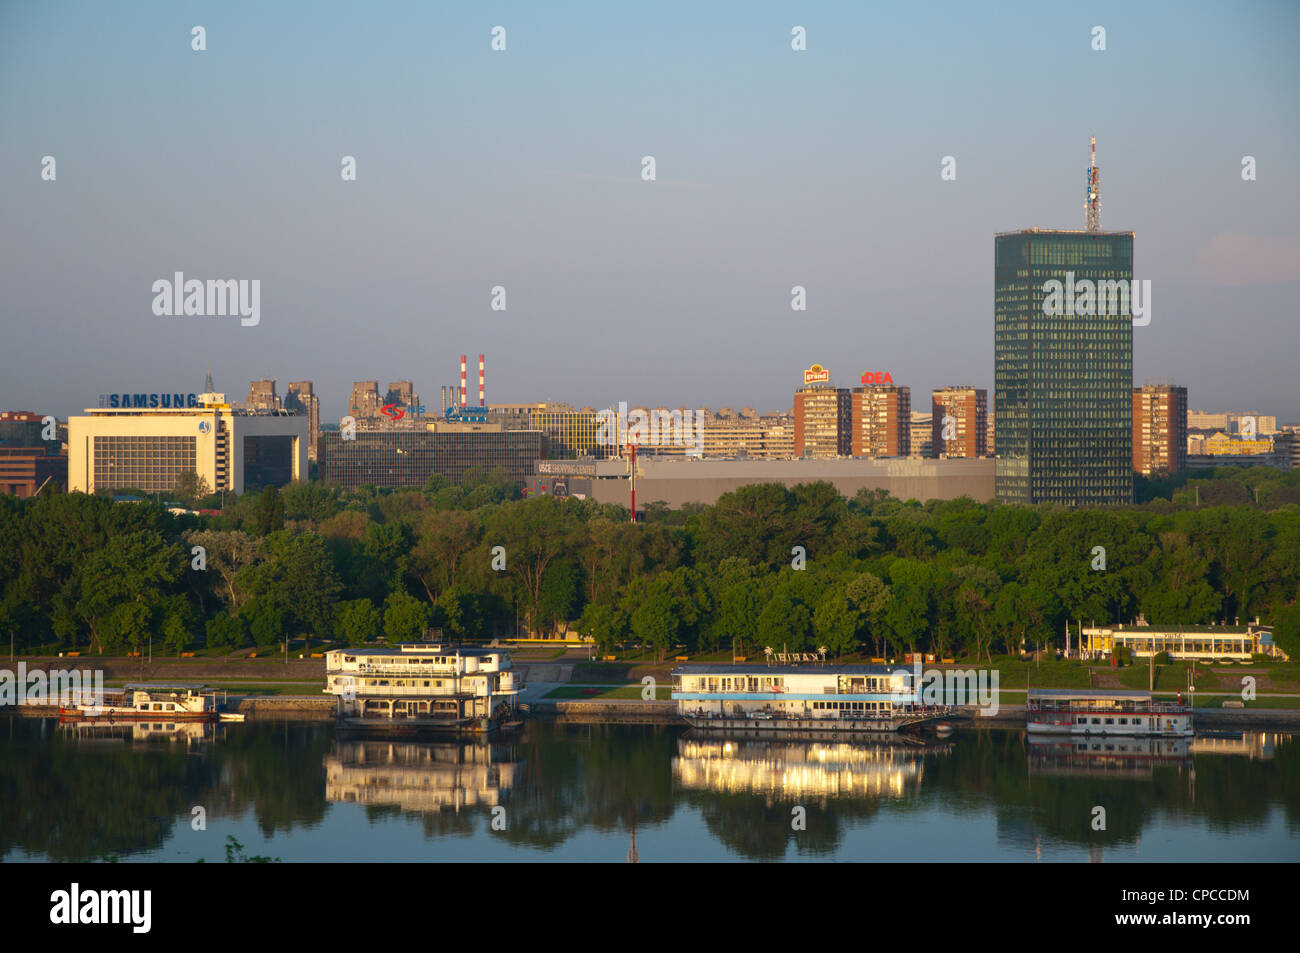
[(146, 441)]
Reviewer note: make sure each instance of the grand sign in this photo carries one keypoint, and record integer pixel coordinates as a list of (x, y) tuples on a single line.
[(149, 400), (816, 375)]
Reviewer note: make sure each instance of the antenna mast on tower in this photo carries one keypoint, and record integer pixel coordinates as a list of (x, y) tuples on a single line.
[(1093, 202)]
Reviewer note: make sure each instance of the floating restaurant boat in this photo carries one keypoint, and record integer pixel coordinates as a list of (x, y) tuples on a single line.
[(422, 687), (1105, 712), (153, 702), (813, 700)]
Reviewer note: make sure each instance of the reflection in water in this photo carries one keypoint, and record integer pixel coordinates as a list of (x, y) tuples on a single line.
[(190, 734), (1138, 757), (577, 792), (1256, 745), (799, 769), (1112, 757), (419, 776)]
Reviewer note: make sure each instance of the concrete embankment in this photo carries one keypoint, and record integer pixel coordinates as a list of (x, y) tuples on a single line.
[(1237, 718), (286, 707), (609, 711)]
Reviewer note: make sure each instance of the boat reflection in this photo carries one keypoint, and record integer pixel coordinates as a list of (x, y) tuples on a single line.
[(793, 769), (419, 776), (192, 734), (1137, 757), (1112, 756)]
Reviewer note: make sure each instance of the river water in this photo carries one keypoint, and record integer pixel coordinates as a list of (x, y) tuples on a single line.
[(300, 792)]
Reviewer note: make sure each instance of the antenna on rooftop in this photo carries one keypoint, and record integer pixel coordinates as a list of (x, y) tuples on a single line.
[(1093, 201)]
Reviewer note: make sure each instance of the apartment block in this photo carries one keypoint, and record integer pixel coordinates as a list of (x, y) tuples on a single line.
[(1159, 429), (881, 421), (959, 422)]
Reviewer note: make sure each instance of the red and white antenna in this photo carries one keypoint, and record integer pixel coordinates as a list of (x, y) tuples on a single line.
[(1092, 202), (482, 383), (462, 380)]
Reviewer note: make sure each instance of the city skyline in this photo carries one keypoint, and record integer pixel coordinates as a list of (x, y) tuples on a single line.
[(775, 168)]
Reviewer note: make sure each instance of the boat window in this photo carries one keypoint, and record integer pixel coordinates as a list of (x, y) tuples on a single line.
[(1110, 721), (1096, 721), (1123, 721)]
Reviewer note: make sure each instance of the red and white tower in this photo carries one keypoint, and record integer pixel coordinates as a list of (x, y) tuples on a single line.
[(482, 384), (462, 380), (1093, 201)]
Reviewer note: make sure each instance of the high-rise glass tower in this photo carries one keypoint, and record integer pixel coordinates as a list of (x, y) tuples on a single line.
[(1063, 366)]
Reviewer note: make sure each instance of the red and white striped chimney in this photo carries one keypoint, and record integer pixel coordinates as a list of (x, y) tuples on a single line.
[(482, 383), (462, 380)]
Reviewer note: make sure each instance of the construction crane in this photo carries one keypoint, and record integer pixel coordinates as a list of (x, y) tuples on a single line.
[(1093, 201)]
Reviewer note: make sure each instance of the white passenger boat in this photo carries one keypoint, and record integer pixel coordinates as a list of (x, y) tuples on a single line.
[(423, 687), (1105, 712), (149, 702), (806, 700)]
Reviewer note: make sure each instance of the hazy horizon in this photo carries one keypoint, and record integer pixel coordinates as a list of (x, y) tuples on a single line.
[(522, 169)]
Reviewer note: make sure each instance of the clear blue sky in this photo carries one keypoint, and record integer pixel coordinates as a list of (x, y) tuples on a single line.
[(522, 169)]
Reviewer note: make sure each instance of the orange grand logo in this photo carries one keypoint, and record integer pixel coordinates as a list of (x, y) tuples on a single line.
[(816, 374)]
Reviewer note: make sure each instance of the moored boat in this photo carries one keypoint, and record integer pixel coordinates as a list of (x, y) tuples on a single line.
[(1105, 712), (148, 702), (419, 688), (804, 700)]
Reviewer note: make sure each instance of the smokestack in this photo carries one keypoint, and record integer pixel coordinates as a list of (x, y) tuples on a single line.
[(462, 380), (444, 399), (482, 392)]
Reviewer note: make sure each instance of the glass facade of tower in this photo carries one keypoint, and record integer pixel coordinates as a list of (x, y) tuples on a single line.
[(1063, 382)]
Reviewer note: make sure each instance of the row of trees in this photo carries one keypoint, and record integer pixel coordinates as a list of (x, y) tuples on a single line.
[(766, 565)]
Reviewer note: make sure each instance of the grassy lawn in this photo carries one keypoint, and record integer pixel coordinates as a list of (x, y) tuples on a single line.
[(537, 655), (1216, 701)]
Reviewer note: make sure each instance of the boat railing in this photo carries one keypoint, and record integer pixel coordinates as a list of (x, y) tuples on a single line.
[(420, 690)]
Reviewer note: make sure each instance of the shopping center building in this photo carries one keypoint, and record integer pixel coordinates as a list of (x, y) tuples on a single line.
[(146, 441)]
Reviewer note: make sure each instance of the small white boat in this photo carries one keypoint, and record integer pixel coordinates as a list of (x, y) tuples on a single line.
[(230, 716), (148, 702)]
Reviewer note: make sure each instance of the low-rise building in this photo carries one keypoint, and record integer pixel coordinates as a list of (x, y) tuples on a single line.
[(408, 457), (1179, 641)]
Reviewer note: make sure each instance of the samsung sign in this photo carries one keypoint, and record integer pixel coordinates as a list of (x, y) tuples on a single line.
[(149, 400)]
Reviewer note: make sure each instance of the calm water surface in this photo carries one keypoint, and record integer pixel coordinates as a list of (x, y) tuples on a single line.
[(597, 793)]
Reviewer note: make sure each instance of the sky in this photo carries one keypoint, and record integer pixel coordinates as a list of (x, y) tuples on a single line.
[(522, 168)]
